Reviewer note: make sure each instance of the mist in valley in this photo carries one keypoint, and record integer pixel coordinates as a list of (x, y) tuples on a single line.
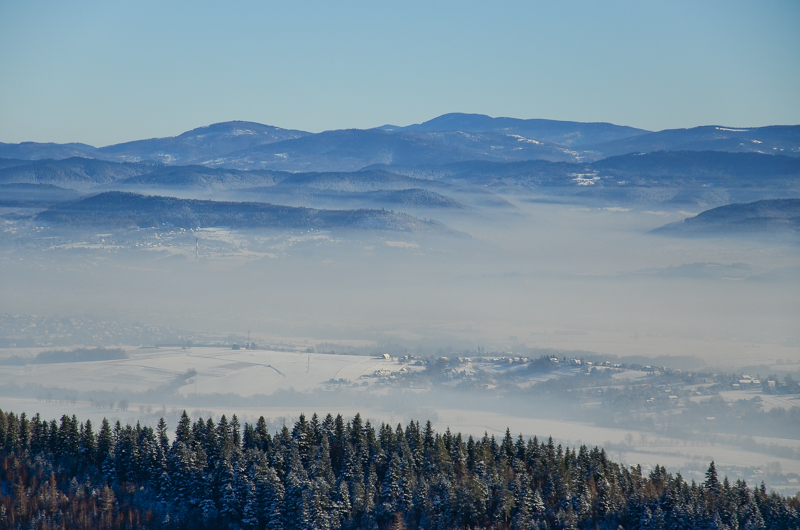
[(529, 280), (542, 275)]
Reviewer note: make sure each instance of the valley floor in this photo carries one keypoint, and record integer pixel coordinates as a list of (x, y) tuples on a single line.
[(153, 383)]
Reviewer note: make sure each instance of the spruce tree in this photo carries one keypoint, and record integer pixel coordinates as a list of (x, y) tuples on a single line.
[(105, 443), (712, 481), (163, 437), (88, 444), (184, 431)]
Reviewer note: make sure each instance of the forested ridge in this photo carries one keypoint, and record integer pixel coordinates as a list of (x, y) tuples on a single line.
[(333, 473), (123, 209)]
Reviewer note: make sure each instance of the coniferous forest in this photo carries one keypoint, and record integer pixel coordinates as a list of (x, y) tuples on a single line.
[(335, 473)]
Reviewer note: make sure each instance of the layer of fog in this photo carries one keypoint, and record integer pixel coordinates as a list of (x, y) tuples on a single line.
[(542, 275)]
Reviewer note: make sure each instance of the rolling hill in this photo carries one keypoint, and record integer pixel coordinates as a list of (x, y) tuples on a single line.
[(357, 181), (564, 133), (759, 217), (773, 140), (41, 151), (203, 143), (413, 198), (131, 210), (74, 173), (196, 177)]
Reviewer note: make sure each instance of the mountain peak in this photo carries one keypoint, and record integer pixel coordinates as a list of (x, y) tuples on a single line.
[(237, 128), (566, 133)]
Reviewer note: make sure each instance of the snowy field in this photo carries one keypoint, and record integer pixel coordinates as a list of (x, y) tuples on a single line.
[(218, 371), (768, 401)]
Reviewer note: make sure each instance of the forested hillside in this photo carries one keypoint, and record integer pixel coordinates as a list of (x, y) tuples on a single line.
[(334, 473), (777, 215), (125, 210)]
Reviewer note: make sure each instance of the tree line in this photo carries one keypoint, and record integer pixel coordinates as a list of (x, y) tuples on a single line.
[(333, 473)]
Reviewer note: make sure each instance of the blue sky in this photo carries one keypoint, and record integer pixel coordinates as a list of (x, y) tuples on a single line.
[(107, 72)]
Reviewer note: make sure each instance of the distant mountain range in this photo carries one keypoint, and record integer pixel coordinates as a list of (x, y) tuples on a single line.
[(678, 168), (41, 151), (75, 172), (675, 169), (447, 139), (565, 133), (456, 162), (351, 150), (774, 140), (682, 177), (202, 144), (767, 216), (704, 178), (130, 210)]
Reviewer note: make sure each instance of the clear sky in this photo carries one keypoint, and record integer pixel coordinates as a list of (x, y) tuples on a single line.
[(110, 71)]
